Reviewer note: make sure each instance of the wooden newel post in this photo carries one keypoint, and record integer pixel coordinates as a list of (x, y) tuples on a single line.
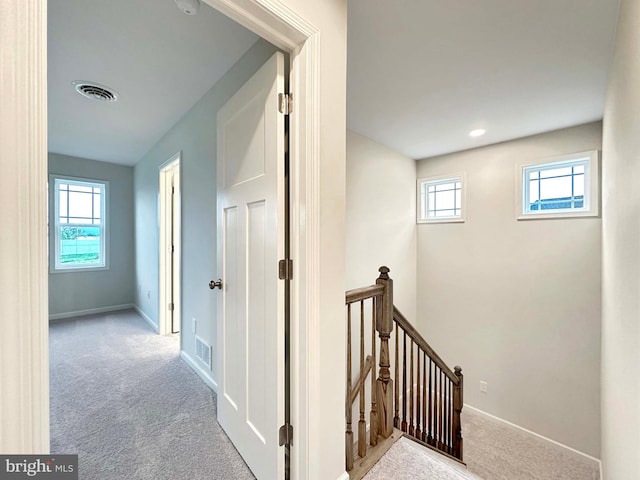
[(457, 410), (384, 326)]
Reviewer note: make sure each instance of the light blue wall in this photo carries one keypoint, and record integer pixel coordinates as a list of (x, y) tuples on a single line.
[(195, 136), (79, 291)]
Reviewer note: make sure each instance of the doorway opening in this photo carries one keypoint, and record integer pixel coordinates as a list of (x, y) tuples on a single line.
[(169, 248)]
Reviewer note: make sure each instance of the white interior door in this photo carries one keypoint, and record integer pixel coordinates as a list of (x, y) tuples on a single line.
[(250, 243)]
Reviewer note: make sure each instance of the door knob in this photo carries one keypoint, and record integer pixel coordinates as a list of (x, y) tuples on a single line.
[(215, 284)]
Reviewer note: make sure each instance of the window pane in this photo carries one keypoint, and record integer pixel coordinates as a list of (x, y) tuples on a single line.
[(555, 188), (432, 199), (62, 205), (578, 169), (80, 205), (534, 175), (578, 185), (80, 245), (555, 172), (445, 213), (458, 199), (445, 186), (445, 200), (533, 191), (96, 205), (80, 188), (432, 188)]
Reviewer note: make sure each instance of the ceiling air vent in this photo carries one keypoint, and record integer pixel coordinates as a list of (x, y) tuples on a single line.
[(95, 91)]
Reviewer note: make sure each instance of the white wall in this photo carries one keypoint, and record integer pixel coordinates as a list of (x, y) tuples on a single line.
[(517, 303), (71, 292), (621, 255), (381, 219), (195, 136)]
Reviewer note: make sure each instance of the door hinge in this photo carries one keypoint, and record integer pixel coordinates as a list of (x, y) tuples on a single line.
[(286, 435), (171, 306), (173, 189), (285, 269), (285, 103), (173, 249)]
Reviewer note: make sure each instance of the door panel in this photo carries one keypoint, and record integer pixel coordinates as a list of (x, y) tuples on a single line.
[(250, 243), (232, 387)]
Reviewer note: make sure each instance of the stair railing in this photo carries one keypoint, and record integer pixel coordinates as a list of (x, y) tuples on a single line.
[(429, 401), (425, 398)]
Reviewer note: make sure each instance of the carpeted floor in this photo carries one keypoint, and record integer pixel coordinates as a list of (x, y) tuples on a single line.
[(495, 450), (408, 460), (123, 400)]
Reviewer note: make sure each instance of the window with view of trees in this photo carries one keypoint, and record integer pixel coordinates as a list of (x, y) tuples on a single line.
[(80, 218)]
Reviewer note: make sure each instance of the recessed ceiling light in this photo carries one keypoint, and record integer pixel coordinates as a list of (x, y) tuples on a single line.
[(478, 132)]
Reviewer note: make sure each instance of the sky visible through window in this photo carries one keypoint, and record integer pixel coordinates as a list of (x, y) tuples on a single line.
[(555, 188)]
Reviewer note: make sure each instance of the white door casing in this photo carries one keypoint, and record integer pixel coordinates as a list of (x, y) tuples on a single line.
[(169, 248), (250, 243)]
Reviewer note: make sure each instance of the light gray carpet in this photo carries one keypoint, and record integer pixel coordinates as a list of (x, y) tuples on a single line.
[(123, 400), (409, 461), (493, 450), (497, 451)]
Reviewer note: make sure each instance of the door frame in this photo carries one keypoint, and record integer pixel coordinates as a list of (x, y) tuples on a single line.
[(25, 392), (168, 236)]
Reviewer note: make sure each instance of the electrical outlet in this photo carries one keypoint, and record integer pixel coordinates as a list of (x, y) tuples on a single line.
[(483, 386), (194, 325)]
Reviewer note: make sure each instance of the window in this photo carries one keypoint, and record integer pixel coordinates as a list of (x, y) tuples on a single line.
[(565, 186), (79, 231), (441, 199)]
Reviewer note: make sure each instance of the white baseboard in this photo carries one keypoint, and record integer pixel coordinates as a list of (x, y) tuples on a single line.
[(147, 318), (203, 374), (542, 437), (90, 311), (344, 476)]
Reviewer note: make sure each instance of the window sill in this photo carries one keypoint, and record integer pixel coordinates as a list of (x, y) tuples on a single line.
[(78, 269), (443, 220), (557, 215)]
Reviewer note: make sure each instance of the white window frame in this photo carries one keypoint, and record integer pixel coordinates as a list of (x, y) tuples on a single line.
[(591, 201), (422, 199), (54, 261)]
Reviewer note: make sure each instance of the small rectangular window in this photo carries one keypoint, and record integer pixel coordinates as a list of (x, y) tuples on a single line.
[(561, 187), (79, 230), (441, 199)]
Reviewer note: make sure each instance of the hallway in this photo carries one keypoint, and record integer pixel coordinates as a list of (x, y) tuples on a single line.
[(124, 401)]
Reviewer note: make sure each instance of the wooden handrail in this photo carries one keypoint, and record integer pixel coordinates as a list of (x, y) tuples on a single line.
[(400, 319), (358, 294)]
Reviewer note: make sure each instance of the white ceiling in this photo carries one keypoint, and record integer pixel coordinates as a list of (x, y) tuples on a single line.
[(158, 59), (423, 73)]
